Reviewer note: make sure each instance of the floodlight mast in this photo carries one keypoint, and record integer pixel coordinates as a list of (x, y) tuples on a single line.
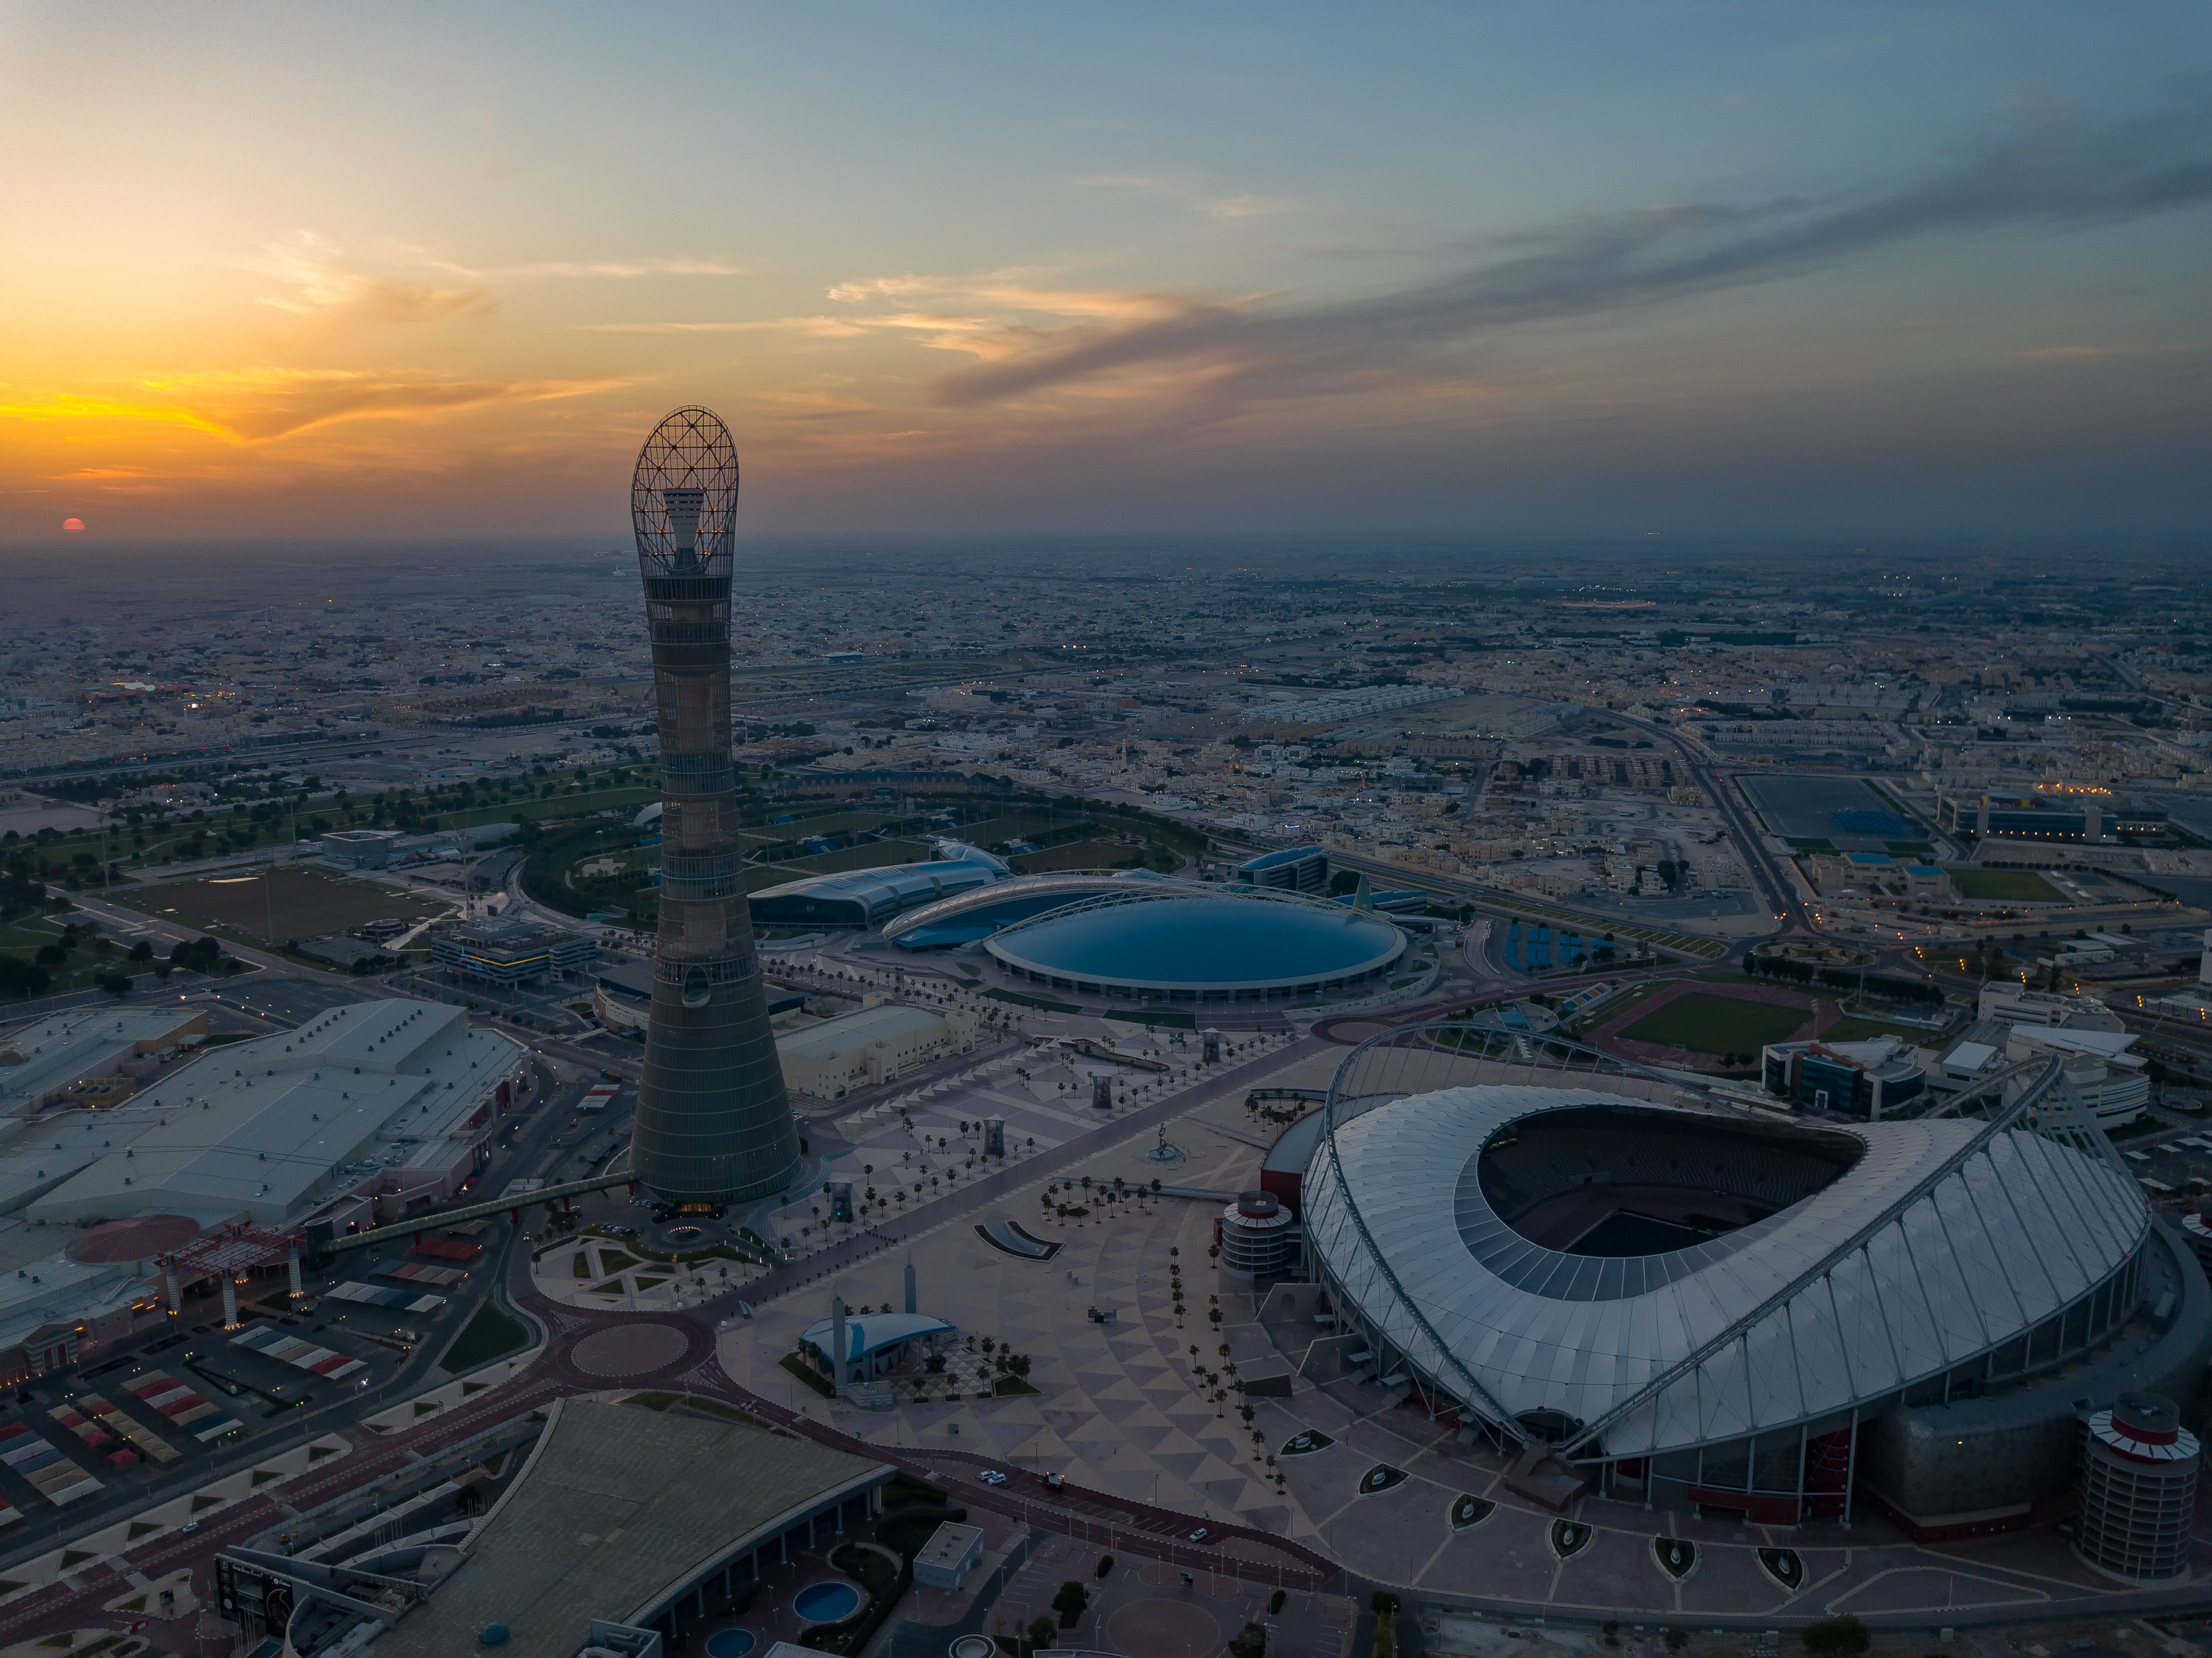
[(713, 1123)]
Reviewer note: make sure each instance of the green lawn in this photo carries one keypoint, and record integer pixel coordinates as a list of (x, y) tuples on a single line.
[(490, 1334), (1708, 1023), (24, 936), (2001, 884)]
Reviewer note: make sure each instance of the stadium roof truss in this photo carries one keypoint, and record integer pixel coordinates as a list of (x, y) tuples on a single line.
[(1956, 1235)]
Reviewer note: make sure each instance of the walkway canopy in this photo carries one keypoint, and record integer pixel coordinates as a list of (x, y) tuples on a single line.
[(868, 1333)]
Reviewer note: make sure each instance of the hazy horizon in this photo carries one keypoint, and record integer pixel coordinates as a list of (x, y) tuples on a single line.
[(1710, 270)]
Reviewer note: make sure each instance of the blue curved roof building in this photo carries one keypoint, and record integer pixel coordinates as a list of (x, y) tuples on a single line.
[(968, 918), (1187, 942), (869, 897)]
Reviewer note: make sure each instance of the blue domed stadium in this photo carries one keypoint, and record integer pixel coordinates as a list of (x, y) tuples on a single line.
[(1183, 942)]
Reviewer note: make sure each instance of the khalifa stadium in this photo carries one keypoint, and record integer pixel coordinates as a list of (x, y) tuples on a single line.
[(1645, 1293)]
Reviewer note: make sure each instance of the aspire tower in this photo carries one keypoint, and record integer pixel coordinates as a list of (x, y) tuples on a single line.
[(713, 1123)]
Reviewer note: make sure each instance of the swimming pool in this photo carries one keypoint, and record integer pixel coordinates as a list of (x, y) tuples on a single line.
[(826, 1603), (729, 1643)]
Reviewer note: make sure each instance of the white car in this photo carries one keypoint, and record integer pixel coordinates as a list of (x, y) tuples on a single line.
[(991, 1476)]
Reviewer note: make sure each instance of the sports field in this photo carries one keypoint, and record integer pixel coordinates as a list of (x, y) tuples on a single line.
[(2022, 884), (1717, 1024), (304, 905)]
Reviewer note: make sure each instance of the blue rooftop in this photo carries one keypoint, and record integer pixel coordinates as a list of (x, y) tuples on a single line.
[(1273, 860), (1208, 944), (871, 1333)]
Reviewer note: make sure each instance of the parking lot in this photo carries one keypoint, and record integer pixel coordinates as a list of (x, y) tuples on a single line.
[(2176, 1161), (160, 1414)]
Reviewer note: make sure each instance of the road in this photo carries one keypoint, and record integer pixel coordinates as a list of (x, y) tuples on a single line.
[(1774, 886), (78, 1602)]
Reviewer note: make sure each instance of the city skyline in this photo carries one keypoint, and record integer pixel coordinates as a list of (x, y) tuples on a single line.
[(1413, 272)]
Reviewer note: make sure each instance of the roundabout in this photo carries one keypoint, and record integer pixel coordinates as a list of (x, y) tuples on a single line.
[(629, 1350)]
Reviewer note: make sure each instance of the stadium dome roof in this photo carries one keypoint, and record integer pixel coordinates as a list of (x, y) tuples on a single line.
[(1839, 1265), (1199, 942)]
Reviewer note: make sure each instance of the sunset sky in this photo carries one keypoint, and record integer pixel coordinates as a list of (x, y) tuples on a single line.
[(428, 270)]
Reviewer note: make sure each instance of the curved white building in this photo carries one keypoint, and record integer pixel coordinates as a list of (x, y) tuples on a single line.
[(1712, 1307)]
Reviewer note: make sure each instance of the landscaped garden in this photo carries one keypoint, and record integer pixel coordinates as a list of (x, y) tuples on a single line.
[(490, 1334)]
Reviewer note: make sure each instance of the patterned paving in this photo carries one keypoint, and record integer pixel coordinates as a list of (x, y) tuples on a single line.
[(1118, 1411)]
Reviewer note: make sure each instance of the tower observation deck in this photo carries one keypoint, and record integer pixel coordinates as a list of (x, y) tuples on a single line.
[(713, 1123)]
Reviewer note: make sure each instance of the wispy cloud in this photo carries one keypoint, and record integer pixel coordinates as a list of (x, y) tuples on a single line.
[(998, 316), (829, 327), (258, 405), (1194, 194), (393, 281), (322, 277), (623, 268), (2052, 170)]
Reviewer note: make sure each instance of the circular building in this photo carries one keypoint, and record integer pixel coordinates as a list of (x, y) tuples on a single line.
[(1186, 942), (1752, 1315), (1258, 1237), (2139, 1467)]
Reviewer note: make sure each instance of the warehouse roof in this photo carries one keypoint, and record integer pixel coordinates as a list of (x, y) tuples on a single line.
[(263, 1128), (57, 1051)]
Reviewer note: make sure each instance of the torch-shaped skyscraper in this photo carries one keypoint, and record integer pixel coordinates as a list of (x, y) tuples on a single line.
[(713, 1120)]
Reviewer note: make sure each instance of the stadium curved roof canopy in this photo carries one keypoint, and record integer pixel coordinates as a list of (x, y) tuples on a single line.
[(1184, 941), (1645, 1278), (968, 918), (870, 897)]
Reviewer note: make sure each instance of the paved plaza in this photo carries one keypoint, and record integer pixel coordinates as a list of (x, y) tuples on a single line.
[(1116, 1409), (1404, 1535)]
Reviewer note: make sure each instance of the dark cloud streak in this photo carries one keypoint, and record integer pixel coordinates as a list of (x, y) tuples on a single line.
[(2052, 170)]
